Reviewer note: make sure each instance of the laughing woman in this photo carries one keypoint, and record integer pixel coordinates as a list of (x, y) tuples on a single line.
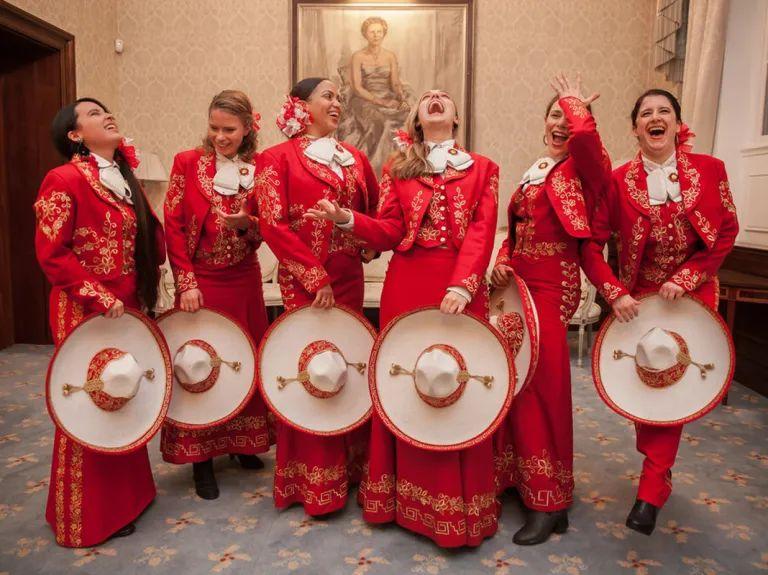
[(319, 265), (80, 207), (438, 212), (548, 217), (676, 211), (212, 250)]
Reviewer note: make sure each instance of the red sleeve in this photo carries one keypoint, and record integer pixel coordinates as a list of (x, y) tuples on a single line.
[(55, 210), (271, 198), (703, 265), (585, 147), (371, 184), (386, 231), (176, 231), (593, 263), (476, 249)]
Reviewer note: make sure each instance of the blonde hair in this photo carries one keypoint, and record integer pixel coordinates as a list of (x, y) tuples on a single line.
[(412, 161), (238, 104), (368, 22)]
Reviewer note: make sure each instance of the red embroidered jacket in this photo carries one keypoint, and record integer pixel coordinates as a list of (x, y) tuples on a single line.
[(287, 184), (189, 201), (472, 198), (625, 208), (85, 238), (575, 183)]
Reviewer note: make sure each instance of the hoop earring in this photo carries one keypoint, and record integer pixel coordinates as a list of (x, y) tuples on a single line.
[(544, 137)]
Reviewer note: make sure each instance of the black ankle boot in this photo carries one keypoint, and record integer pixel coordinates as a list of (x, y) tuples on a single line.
[(248, 461), (205, 480), (125, 531), (642, 518), (539, 525)]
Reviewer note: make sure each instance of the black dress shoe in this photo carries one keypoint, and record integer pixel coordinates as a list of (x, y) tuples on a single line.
[(205, 480), (125, 531), (642, 518), (248, 461), (539, 525)]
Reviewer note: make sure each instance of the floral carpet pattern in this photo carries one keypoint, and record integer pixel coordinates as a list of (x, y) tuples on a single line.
[(715, 522)]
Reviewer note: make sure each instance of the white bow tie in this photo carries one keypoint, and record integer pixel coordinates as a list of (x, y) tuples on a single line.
[(231, 175), (446, 154), (329, 152), (538, 171), (112, 179), (662, 181)]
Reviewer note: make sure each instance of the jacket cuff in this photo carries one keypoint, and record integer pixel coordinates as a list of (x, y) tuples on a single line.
[(612, 291), (463, 292), (689, 279), (185, 281)]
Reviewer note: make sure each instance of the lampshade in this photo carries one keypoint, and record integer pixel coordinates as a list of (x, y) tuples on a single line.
[(150, 168)]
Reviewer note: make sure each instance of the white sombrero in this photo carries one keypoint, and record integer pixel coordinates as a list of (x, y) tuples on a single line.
[(441, 382), (513, 313), (670, 365), (214, 367), (313, 369), (109, 382)]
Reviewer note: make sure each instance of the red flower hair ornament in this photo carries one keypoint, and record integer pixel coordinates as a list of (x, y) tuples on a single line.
[(128, 151), (402, 140), (294, 117), (683, 138)]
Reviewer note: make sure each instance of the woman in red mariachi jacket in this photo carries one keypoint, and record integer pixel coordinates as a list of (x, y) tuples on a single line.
[(437, 210), (212, 250), (89, 203), (319, 264), (675, 216), (548, 217)]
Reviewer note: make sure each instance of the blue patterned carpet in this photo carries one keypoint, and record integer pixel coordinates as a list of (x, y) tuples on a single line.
[(716, 521)]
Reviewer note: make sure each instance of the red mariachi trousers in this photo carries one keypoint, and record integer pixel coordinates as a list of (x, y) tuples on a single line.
[(92, 495), (535, 444), (313, 470), (659, 444), (237, 292), (449, 497)]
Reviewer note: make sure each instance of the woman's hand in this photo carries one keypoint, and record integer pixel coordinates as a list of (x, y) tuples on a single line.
[(238, 221), (500, 276), (453, 303), (565, 89), (191, 300), (626, 308), (116, 310), (671, 291), (324, 298), (331, 211), (367, 255)]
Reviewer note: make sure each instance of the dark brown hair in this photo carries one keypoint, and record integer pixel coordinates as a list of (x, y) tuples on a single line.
[(656, 92)]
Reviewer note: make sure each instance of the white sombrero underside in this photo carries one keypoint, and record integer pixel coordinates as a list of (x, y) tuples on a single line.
[(477, 411), (708, 342), (77, 414), (232, 390), (279, 356)]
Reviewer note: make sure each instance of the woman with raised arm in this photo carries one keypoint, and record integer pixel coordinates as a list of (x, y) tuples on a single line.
[(548, 218), (437, 210), (93, 201), (319, 265), (675, 216)]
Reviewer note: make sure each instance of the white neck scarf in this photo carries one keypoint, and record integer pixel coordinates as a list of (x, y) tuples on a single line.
[(445, 154), (662, 179), (331, 153), (538, 171), (112, 179), (231, 175)]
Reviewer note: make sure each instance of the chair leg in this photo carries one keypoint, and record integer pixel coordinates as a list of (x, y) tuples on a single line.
[(589, 337), (580, 360)]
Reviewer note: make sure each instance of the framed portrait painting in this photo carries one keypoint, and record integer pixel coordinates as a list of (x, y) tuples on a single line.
[(383, 56)]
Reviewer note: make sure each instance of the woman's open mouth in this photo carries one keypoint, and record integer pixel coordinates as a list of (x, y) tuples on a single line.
[(657, 132), (435, 107), (559, 138)]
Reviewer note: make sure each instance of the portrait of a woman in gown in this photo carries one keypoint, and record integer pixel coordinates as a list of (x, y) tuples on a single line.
[(377, 99)]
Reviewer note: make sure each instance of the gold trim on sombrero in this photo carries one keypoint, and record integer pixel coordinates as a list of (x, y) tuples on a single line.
[(216, 362), (94, 385), (660, 378), (510, 325), (462, 377), (307, 355)]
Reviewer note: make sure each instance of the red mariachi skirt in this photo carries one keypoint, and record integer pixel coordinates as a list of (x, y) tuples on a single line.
[(535, 445), (237, 292), (659, 444), (449, 497), (92, 495), (313, 470)]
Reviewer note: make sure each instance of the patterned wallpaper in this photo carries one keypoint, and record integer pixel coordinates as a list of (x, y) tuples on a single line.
[(179, 53), (94, 25)]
